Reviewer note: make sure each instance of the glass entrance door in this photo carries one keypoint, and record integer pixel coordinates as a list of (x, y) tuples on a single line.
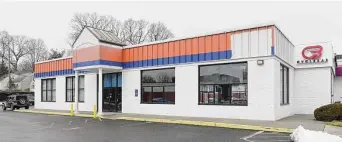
[(112, 92)]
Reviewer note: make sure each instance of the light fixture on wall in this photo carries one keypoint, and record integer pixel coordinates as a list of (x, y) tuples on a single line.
[(260, 62)]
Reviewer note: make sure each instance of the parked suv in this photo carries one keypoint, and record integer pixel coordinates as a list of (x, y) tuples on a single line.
[(16, 101)]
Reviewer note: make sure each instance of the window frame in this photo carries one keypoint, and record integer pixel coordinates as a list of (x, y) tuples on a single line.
[(81, 88), (141, 86), (72, 89), (199, 84), (282, 85), (52, 89)]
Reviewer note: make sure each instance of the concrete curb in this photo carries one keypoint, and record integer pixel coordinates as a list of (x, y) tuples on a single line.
[(210, 124), (55, 113), (183, 122)]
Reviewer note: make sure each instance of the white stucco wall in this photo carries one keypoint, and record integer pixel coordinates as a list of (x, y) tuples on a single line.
[(86, 39), (60, 104), (338, 89), (312, 89), (260, 95), (282, 111)]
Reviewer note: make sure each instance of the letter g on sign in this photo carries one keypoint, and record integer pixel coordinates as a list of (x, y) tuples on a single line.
[(312, 52)]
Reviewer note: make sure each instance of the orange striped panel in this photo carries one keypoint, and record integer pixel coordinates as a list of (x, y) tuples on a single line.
[(57, 65), (140, 57), (223, 42), (154, 51), (194, 46), (188, 47), (201, 45), (177, 50), (67, 64), (87, 54), (110, 54), (229, 43), (48, 67), (215, 43), (149, 52), (144, 52), (165, 50), (131, 54), (36, 68), (60, 67), (53, 67), (208, 47), (67, 61), (182, 47), (160, 50), (125, 57), (63, 64), (41, 67), (136, 54), (171, 49)]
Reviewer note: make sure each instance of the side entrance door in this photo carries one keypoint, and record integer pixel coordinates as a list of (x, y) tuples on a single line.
[(112, 92)]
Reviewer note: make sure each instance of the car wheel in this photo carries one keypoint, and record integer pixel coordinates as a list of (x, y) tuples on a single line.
[(27, 107), (12, 108), (22, 101)]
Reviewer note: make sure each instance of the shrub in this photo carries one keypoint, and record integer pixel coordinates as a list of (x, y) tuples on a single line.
[(329, 112)]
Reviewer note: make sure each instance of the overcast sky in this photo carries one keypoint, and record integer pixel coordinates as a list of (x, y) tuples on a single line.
[(304, 22)]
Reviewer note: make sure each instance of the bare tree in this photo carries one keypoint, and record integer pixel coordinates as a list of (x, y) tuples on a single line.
[(18, 49), (4, 43), (158, 31), (129, 32), (54, 54), (108, 23), (36, 52), (134, 32)]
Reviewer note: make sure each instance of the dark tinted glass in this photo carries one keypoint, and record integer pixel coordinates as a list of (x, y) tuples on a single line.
[(224, 74)]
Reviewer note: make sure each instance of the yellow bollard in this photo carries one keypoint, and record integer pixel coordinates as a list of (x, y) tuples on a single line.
[(95, 112), (72, 113)]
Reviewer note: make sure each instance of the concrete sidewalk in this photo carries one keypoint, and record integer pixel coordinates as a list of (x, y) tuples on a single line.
[(292, 122), (285, 125)]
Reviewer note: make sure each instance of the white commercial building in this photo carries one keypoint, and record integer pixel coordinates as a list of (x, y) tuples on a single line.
[(252, 72)]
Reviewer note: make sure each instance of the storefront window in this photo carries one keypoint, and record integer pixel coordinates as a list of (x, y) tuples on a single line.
[(81, 88), (158, 86), (49, 90), (284, 85), (70, 89), (223, 84)]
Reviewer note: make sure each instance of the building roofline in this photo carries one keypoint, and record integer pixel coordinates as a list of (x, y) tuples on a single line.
[(87, 27), (53, 60), (204, 34), (275, 25), (78, 37)]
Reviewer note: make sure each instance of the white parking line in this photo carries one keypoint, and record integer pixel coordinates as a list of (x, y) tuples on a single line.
[(51, 125), (67, 129), (34, 123), (251, 135), (135, 124), (267, 136)]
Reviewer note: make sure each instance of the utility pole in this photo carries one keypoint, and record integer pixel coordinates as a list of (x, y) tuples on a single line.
[(9, 66)]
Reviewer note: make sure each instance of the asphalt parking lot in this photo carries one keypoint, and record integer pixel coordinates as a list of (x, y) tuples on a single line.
[(20, 127)]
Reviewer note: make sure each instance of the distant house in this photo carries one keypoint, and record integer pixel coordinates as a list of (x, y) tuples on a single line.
[(21, 82)]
